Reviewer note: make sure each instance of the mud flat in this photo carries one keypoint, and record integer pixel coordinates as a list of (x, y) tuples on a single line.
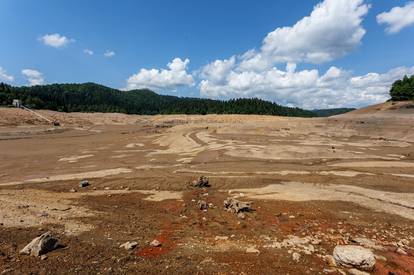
[(313, 184)]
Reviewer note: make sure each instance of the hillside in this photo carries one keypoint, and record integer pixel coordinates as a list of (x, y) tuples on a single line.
[(91, 97)]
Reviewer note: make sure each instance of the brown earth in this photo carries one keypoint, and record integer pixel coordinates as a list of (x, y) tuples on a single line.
[(314, 183)]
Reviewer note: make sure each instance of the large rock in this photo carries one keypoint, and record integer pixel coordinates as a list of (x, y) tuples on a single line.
[(40, 245), (236, 206), (201, 182), (354, 256)]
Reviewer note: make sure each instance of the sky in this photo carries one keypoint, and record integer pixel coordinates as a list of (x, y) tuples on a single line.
[(303, 53)]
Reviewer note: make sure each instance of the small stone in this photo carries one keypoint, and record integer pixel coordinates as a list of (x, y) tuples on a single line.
[(296, 257), (330, 260), (43, 257), (73, 190), (221, 238), (155, 243), (84, 183), (129, 245), (401, 251), (252, 249), (202, 205)]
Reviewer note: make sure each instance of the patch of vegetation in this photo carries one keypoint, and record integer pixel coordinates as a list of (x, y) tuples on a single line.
[(403, 89)]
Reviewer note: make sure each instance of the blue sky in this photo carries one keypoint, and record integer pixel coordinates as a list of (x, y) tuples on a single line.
[(46, 41)]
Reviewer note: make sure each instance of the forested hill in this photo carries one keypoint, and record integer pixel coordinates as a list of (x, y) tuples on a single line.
[(91, 97)]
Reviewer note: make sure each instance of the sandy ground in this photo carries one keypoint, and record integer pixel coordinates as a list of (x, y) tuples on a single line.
[(314, 183)]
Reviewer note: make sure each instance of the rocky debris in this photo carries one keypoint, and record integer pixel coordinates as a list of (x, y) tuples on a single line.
[(129, 245), (296, 256), (367, 243), (296, 244), (40, 245), (84, 183), (155, 243), (237, 207), (354, 256), (200, 183), (202, 205), (354, 271)]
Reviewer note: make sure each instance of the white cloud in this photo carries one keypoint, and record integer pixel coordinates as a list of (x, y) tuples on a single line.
[(307, 88), (109, 54), (332, 30), (88, 51), (4, 76), (175, 76), (34, 77), (397, 18), (55, 40)]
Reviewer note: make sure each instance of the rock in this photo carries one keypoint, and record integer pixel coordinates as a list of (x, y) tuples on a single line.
[(401, 251), (202, 205), (237, 206), (330, 260), (354, 271), (201, 182), (354, 256), (84, 183), (241, 215), (155, 243), (221, 238), (73, 190), (129, 245), (252, 249), (43, 257), (367, 243), (296, 257), (40, 245)]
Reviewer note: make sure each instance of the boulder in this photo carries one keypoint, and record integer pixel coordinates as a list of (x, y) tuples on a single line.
[(353, 256), (40, 245), (84, 183), (201, 182), (237, 206)]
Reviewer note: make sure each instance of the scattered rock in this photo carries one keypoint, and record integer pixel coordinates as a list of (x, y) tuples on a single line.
[(296, 257), (84, 183), (367, 243), (201, 182), (73, 190), (202, 205), (155, 243), (40, 245), (221, 238), (354, 256), (129, 245)]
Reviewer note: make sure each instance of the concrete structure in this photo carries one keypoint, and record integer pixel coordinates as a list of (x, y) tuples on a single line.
[(17, 103)]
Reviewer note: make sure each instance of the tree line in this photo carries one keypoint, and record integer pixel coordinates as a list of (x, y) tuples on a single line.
[(91, 97), (403, 89)]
